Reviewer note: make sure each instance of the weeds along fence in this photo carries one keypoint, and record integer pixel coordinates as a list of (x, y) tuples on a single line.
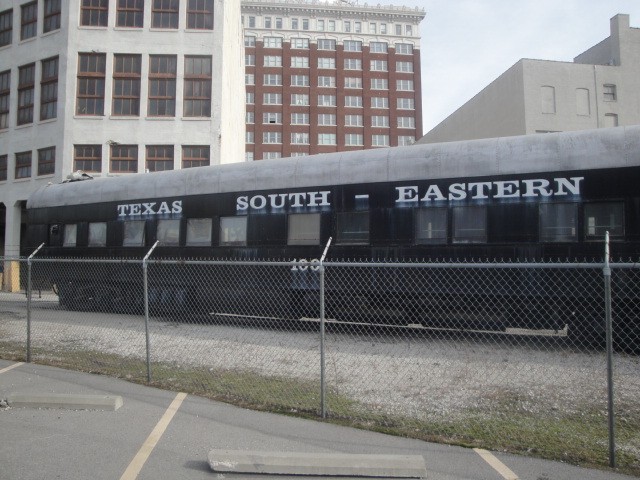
[(499, 355)]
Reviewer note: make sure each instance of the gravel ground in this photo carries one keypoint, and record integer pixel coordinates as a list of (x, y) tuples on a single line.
[(418, 375)]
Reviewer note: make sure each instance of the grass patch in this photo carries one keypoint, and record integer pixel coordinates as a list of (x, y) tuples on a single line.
[(503, 425)]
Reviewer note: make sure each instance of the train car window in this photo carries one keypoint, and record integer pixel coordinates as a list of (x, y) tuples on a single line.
[(233, 230), (70, 235), (600, 218), (168, 232), (198, 232), (430, 225), (558, 222), (98, 234), (304, 229), (470, 224), (352, 228), (133, 233)]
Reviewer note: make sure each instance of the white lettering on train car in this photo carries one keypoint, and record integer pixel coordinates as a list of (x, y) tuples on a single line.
[(282, 200), (538, 187), (149, 208)]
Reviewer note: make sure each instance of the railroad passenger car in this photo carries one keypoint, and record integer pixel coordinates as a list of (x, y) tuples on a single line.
[(536, 198)]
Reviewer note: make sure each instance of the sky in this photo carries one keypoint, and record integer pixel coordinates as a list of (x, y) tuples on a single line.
[(466, 44)]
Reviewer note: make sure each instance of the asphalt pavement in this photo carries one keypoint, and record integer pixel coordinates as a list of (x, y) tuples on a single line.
[(158, 434)]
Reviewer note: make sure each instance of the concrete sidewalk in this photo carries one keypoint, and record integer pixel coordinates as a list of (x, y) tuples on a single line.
[(157, 434)]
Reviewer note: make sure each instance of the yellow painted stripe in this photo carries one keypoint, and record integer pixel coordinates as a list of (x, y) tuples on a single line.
[(152, 440), (11, 367), (496, 464)]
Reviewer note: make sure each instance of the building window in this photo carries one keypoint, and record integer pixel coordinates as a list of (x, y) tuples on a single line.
[(373, 28), (352, 64), (406, 67), (197, 86), (300, 138), (26, 90), (353, 82), (431, 226), (52, 15), (195, 156), (353, 120), (324, 62), (404, 49), (272, 61), (346, 26), (326, 100), (162, 85), (326, 139), (126, 85), (379, 102), (352, 46), (250, 98), (300, 43), (249, 137), (272, 98), (408, 29), (200, 14), (49, 89), (300, 62), (406, 122), (6, 27), (267, 22), (610, 120), (278, 23), (378, 47), (299, 119), (304, 229), (272, 42), (5, 97), (352, 228), (3, 167), (272, 155), (353, 101), (305, 24), (94, 13), (165, 13), (398, 29), (124, 159), (327, 119), (405, 104), (300, 99), (378, 66), (380, 121), (249, 79), (354, 139), (249, 117), (91, 77), (249, 41), (299, 80), (294, 24), (326, 44), (252, 22), (271, 137), (558, 222), (327, 82), (46, 161), (379, 84), (274, 118), (404, 85), (87, 158), (320, 25), (272, 79), (130, 13), (248, 156), (405, 140), (609, 93), (379, 140), (357, 27), (159, 158), (29, 21), (249, 60), (233, 231)]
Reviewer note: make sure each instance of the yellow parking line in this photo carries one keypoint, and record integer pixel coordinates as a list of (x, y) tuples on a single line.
[(11, 367), (152, 440), (496, 464)]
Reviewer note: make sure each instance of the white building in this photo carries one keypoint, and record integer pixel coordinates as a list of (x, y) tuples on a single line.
[(601, 88), (112, 88)]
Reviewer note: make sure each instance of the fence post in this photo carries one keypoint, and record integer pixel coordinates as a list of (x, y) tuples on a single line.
[(609, 331), (146, 307), (323, 384), (29, 301)]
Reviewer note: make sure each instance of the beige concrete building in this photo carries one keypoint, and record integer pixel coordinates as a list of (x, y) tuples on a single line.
[(601, 88)]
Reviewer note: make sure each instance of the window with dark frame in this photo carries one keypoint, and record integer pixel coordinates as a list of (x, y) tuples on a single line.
[(165, 13), (26, 92), (133, 233), (87, 158), (199, 232), (46, 161), (303, 229), (52, 14), (197, 86), (200, 14), (94, 13), (600, 218), (97, 234), (162, 85), (352, 228), (195, 156), (159, 158), (49, 89), (130, 13), (23, 165), (124, 159), (233, 231), (3, 167), (126, 85), (91, 81), (469, 224), (430, 226), (168, 232), (558, 222), (70, 235), (5, 97), (6, 27), (29, 20)]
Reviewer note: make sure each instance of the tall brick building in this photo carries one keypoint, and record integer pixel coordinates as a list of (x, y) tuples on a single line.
[(326, 77)]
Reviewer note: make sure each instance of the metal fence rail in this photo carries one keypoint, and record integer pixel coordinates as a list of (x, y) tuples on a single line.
[(461, 352)]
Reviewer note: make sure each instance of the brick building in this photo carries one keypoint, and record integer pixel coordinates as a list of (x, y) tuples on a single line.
[(326, 77)]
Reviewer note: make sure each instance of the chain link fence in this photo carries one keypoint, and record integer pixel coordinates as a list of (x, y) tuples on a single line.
[(498, 355)]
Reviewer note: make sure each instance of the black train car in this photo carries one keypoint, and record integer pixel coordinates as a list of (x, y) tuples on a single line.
[(537, 198)]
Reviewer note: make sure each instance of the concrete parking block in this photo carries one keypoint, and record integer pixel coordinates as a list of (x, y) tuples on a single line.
[(66, 401)]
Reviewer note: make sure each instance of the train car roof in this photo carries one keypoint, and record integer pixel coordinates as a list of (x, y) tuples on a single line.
[(579, 150)]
